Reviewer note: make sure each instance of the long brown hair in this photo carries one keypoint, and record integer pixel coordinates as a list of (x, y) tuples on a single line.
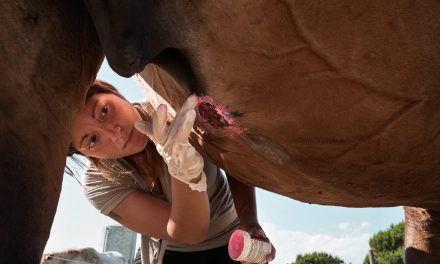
[(148, 162)]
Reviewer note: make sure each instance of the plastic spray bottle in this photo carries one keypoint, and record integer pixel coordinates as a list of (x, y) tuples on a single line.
[(244, 246)]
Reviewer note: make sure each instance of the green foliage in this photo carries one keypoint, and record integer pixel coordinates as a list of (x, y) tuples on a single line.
[(388, 240), (317, 258), (392, 257), (388, 245)]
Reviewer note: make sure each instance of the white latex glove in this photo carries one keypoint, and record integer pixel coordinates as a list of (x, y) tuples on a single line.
[(184, 162)]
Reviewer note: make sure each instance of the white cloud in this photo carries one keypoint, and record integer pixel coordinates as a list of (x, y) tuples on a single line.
[(365, 225), (362, 227), (343, 226), (349, 247)]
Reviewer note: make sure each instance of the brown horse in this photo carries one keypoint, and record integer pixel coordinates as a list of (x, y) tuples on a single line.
[(328, 102)]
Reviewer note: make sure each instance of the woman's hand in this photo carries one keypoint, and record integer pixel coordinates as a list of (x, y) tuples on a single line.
[(257, 230), (246, 207), (184, 162)]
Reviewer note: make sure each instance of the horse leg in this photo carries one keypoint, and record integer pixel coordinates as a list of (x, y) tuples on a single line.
[(422, 235), (49, 54)]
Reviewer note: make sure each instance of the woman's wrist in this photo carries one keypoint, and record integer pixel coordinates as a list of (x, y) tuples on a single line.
[(196, 184), (249, 226)]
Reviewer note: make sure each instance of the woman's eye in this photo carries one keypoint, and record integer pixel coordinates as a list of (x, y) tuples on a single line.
[(104, 111), (92, 141)]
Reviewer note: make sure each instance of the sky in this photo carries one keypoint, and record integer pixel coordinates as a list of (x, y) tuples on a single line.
[(293, 227)]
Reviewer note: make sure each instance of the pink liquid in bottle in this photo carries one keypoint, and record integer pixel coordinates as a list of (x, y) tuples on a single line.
[(244, 246), (236, 243)]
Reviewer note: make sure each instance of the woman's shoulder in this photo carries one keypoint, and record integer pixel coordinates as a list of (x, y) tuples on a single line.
[(94, 178), (103, 193), (118, 176), (92, 173)]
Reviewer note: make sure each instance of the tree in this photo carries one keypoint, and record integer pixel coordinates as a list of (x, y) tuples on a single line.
[(388, 245), (317, 258)]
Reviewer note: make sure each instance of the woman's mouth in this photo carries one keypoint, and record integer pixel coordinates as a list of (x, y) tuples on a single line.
[(128, 138)]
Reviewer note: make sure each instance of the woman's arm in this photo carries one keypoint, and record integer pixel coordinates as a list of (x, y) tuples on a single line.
[(190, 214), (245, 202), (185, 221)]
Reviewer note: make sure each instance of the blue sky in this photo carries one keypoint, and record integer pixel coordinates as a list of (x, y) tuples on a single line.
[(294, 227)]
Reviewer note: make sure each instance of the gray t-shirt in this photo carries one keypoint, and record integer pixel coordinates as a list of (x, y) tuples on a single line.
[(105, 195)]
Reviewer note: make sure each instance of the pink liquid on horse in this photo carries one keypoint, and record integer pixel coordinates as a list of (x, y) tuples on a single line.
[(215, 119)]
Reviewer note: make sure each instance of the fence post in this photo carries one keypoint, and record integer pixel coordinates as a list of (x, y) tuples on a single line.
[(371, 256)]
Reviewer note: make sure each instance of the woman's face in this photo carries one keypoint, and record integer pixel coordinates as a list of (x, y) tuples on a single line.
[(105, 128)]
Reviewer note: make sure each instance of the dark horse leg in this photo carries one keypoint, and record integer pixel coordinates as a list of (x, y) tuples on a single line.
[(422, 235), (49, 53)]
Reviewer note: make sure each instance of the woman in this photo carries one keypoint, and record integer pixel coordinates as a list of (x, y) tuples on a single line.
[(161, 188)]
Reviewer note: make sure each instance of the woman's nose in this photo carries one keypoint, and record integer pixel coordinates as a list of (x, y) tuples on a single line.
[(113, 132)]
